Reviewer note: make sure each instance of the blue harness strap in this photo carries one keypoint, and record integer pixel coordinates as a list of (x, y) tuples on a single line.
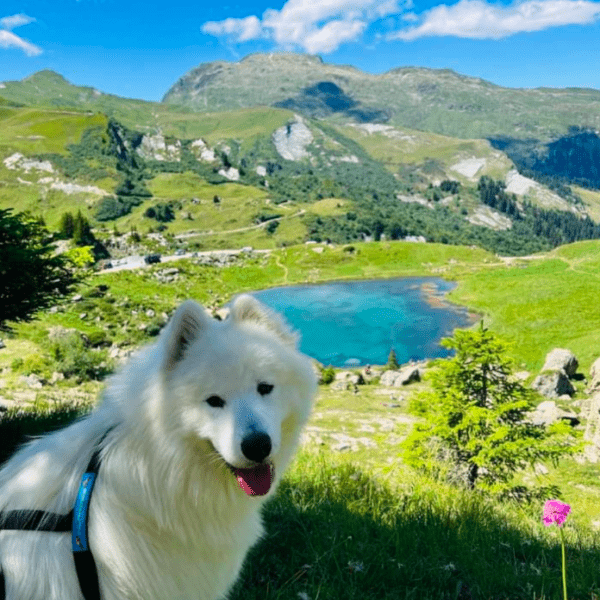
[(76, 521), (87, 574)]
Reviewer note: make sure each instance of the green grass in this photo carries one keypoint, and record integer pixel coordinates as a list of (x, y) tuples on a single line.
[(37, 131), (542, 304), (337, 528), (334, 531), (362, 524)]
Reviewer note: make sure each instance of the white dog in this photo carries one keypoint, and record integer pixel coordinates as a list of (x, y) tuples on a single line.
[(193, 434)]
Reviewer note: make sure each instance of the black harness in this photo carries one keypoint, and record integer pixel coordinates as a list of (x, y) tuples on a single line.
[(76, 522)]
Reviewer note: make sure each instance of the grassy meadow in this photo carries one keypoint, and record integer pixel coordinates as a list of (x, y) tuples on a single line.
[(359, 524)]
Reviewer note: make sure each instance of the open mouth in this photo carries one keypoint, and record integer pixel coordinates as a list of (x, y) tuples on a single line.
[(255, 481)]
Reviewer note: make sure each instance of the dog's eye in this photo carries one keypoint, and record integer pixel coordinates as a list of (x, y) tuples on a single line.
[(215, 402), (264, 388)]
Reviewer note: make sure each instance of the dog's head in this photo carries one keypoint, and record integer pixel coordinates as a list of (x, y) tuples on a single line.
[(240, 388)]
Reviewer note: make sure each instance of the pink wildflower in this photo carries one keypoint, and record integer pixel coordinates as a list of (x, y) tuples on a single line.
[(555, 511)]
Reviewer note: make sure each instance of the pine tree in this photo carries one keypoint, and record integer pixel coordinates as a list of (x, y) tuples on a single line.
[(31, 275), (477, 418), (392, 362), (82, 232), (66, 225)]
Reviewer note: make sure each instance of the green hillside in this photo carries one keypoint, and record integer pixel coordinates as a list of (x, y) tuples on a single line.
[(439, 101), (255, 177)]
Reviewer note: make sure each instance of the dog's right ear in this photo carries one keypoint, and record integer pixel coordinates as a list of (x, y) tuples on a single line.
[(186, 325)]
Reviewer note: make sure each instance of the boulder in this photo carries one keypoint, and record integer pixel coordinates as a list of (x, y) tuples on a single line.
[(349, 377), (548, 412), (401, 377), (553, 384), (560, 359)]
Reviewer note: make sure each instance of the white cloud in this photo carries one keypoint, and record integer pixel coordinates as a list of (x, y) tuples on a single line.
[(15, 21), (329, 37), (316, 27), (242, 29), (9, 40), (479, 20)]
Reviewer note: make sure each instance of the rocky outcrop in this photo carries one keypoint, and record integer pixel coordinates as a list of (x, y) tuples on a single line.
[(155, 147), (292, 140), (202, 152), (19, 162), (232, 174)]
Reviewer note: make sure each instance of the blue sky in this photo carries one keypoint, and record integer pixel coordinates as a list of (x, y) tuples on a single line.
[(140, 49)]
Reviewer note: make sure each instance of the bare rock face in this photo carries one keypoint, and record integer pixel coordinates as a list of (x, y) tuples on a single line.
[(155, 147), (560, 359), (292, 140)]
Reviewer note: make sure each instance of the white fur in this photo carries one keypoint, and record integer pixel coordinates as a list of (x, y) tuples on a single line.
[(168, 520)]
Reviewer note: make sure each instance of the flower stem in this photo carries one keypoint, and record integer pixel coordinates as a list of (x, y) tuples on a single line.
[(564, 563)]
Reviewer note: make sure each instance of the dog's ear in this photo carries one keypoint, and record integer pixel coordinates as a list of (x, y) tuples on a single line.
[(246, 308), (186, 325)]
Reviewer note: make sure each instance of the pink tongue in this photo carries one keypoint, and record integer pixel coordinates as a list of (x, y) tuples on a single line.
[(255, 481)]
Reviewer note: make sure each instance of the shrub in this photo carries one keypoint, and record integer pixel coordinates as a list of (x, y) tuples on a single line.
[(160, 212), (327, 375), (75, 360)]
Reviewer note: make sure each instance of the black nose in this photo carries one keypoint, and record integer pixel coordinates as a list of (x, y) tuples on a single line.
[(256, 446)]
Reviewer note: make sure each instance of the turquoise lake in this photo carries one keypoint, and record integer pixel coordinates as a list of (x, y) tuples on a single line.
[(355, 323)]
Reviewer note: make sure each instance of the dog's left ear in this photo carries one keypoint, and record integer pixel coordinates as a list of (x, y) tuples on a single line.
[(186, 325), (246, 308)]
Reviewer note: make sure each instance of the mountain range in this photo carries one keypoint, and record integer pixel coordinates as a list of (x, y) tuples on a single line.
[(320, 151)]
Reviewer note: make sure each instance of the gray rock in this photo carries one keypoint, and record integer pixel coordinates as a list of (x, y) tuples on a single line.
[(2, 344), (553, 384), (401, 377), (592, 430), (56, 377), (32, 381), (349, 377), (388, 378), (594, 385), (560, 359), (548, 412), (293, 139)]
